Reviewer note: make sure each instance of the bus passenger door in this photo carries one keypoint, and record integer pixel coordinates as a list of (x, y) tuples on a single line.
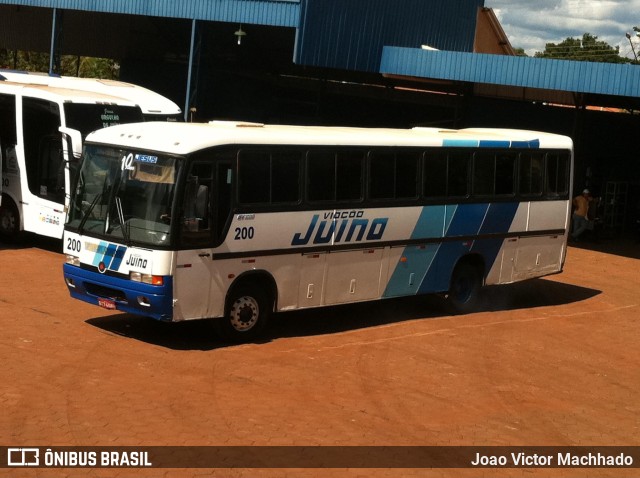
[(192, 276), (198, 287)]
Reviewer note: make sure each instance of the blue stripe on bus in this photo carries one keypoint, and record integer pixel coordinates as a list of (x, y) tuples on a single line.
[(495, 144), (467, 220), (117, 259), (108, 256), (100, 253), (425, 269), (498, 221), (534, 144), (472, 143), (460, 143)]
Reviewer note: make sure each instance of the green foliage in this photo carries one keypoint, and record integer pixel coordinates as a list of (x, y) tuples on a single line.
[(589, 48), (520, 52), (82, 66)]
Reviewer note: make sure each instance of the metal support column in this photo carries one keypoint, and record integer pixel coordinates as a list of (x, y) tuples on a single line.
[(56, 36), (194, 54)]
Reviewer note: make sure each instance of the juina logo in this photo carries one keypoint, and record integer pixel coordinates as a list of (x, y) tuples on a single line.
[(344, 226)]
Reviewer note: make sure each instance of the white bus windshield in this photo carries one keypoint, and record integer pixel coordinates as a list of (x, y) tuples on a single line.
[(126, 196), (90, 117)]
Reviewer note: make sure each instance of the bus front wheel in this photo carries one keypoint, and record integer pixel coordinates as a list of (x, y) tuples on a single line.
[(9, 220), (464, 291), (246, 317)]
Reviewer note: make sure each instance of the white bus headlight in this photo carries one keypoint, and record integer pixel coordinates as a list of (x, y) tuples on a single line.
[(146, 278)]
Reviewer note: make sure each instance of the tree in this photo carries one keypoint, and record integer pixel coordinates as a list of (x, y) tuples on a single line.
[(520, 52), (82, 66), (589, 48)]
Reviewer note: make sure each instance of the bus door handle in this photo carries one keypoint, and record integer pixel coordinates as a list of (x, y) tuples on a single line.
[(204, 254)]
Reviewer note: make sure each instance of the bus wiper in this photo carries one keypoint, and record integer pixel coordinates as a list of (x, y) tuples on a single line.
[(89, 211), (123, 226)]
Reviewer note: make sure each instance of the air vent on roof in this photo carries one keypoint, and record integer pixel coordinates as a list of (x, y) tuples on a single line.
[(236, 124)]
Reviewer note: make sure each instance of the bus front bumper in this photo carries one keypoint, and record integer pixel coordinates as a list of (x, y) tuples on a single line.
[(121, 294)]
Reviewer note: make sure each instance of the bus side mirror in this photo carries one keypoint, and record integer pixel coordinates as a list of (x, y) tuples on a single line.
[(73, 140)]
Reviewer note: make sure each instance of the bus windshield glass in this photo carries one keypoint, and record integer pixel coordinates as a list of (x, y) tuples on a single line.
[(125, 196), (90, 117)]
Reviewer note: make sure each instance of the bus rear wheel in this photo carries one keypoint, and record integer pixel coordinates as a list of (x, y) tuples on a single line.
[(465, 288), (246, 317), (9, 220)]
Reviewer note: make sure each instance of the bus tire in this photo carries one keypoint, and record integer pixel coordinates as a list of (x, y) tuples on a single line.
[(9, 220), (247, 314), (465, 288)]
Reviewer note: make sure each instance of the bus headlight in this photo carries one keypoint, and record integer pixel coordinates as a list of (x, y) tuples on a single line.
[(72, 260), (146, 278)]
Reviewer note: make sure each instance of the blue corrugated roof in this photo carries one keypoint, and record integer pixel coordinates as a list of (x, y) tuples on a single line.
[(284, 13), (351, 34), (563, 75)]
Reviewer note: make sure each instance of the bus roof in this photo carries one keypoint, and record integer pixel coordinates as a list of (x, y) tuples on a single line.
[(63, 94), (149, 101), (185, 138)]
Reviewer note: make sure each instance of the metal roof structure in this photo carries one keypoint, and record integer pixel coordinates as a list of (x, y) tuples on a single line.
[(351, 35), (575, 76), (285, 13), (370, 36)]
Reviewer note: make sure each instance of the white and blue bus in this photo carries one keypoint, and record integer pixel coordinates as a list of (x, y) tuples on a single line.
[(42, 124), (236, 221)]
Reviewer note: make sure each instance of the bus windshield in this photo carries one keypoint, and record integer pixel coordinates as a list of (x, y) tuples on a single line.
[(90, 117), (126, 196)]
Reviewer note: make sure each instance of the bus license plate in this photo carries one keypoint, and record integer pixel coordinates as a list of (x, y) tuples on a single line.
[(107, 304)]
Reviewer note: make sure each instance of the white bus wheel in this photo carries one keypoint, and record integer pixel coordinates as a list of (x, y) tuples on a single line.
[(247, 313)]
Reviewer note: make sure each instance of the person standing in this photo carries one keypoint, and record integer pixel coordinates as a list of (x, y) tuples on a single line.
[(580, 214)]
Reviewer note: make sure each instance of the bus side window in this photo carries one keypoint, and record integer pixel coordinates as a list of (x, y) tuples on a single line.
[(530, 174), (494, 174), (335, 176), (458, 174), (434, 174), (557, 177), (393, 175)]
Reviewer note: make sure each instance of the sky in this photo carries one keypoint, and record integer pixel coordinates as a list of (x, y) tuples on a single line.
[(530, 24)]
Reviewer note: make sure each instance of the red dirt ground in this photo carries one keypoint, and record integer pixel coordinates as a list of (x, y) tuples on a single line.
[(553, 361)]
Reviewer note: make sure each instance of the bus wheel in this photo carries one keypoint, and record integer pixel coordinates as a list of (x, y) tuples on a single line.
[(246, 317), (9, 220), (464, 291)]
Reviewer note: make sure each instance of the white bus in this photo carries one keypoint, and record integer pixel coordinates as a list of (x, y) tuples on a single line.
[(37, 160), (235, 221), (154, 107)]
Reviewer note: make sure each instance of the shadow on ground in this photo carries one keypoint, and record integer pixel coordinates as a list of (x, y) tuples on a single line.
[(200, 335)]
